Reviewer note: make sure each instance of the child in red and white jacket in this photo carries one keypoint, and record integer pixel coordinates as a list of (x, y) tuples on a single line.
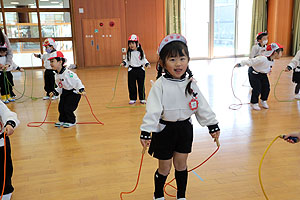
[(69, 87), (259, 67), (49, 82), (260, 45)]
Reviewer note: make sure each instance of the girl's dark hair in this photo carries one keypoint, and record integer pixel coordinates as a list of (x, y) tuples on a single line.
[(139, 48), (174, 49), (261, 35), (60, 59), (2, 39), (278, 50)]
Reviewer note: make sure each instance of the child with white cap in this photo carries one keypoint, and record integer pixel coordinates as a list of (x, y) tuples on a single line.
[(49, 85), (172, 100), (260, 45), (135, 61), (295, 66), (6, 77), (259, 67), (69, 87)]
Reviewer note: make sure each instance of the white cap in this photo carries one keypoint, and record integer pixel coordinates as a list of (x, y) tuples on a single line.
[(171, 38), (271, 48), (50, 41)]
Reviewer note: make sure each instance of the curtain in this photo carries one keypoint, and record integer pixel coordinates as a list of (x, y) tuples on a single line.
[(173, 23), (296, 27), (259, 19)]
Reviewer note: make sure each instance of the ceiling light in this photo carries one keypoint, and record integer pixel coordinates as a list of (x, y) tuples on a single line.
[(14, 2), (44, 0), (54, 2)]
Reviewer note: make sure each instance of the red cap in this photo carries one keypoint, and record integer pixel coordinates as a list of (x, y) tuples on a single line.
[(272, 47), (50, 41), (133, 38), (57, 54)]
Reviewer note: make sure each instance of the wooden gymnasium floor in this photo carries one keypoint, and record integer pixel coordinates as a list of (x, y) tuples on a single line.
[(94, 162)]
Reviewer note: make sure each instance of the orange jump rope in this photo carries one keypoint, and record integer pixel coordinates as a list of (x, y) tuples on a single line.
[(31, 124), (168, 183)]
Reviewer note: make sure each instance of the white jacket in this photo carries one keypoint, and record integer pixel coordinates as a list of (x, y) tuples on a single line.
[(68, 80), (260, 64), (295, 61), (167, 100), (6, 115)]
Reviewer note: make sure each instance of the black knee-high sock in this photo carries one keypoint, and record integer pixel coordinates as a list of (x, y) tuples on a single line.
[(159, 181), (181, 181)]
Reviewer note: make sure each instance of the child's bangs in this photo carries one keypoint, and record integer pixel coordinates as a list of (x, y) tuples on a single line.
[(175, 49)]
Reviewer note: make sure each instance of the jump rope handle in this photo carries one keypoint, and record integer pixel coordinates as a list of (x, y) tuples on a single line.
[(144, 150), (295, 139), (217, 142)]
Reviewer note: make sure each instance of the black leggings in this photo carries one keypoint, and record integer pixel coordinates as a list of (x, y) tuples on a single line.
[(260, 85)]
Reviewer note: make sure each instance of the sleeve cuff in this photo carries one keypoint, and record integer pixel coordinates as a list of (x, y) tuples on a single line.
[(81, 90), (10, 122), (213, 128), (145, 135), (124, 63), (55, 93), (147, 64), (289, 68)]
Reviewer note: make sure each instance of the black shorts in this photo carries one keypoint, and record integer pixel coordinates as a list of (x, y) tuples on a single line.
[(175, 137), (296, 77)]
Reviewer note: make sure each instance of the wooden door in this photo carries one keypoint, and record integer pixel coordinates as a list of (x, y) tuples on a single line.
[(89, 47)]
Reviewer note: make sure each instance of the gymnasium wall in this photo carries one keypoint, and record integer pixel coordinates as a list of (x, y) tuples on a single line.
[(280, 19), (142, 17)]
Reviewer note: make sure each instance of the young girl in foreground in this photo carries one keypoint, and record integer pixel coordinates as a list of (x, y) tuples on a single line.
[(172, 100)]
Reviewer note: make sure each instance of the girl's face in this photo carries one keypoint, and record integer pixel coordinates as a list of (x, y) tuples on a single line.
[(277, 55), (2, 53), (49, 48), (264, 40), (132, 46), (177, 66), (56, 65)]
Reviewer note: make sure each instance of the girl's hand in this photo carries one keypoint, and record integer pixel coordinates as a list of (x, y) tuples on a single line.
[(237, 65), (21, 70), (291, 135), (145, 143), (149, 66), (215, 135), (122, 65), (9, 130), (287, 69), (83, 93), (51, 94), (1, 66)]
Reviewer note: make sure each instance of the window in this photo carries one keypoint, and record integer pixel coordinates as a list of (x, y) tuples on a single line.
[(28, 23)]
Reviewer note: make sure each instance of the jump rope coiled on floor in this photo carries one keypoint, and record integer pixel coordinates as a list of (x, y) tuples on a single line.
[(239, 105), (30, 124), (168, 183)]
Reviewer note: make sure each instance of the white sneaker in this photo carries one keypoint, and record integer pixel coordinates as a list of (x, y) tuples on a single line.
[(264, 104), (143, 101), (297, 96), (6, 196), (161, 198), (255, 106), (58, 124), (132, 101), (46, 97), (54, 97), (68, 125)]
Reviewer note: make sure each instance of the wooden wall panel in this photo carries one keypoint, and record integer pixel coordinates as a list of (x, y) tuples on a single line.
[(280, 17), (143, 17)]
